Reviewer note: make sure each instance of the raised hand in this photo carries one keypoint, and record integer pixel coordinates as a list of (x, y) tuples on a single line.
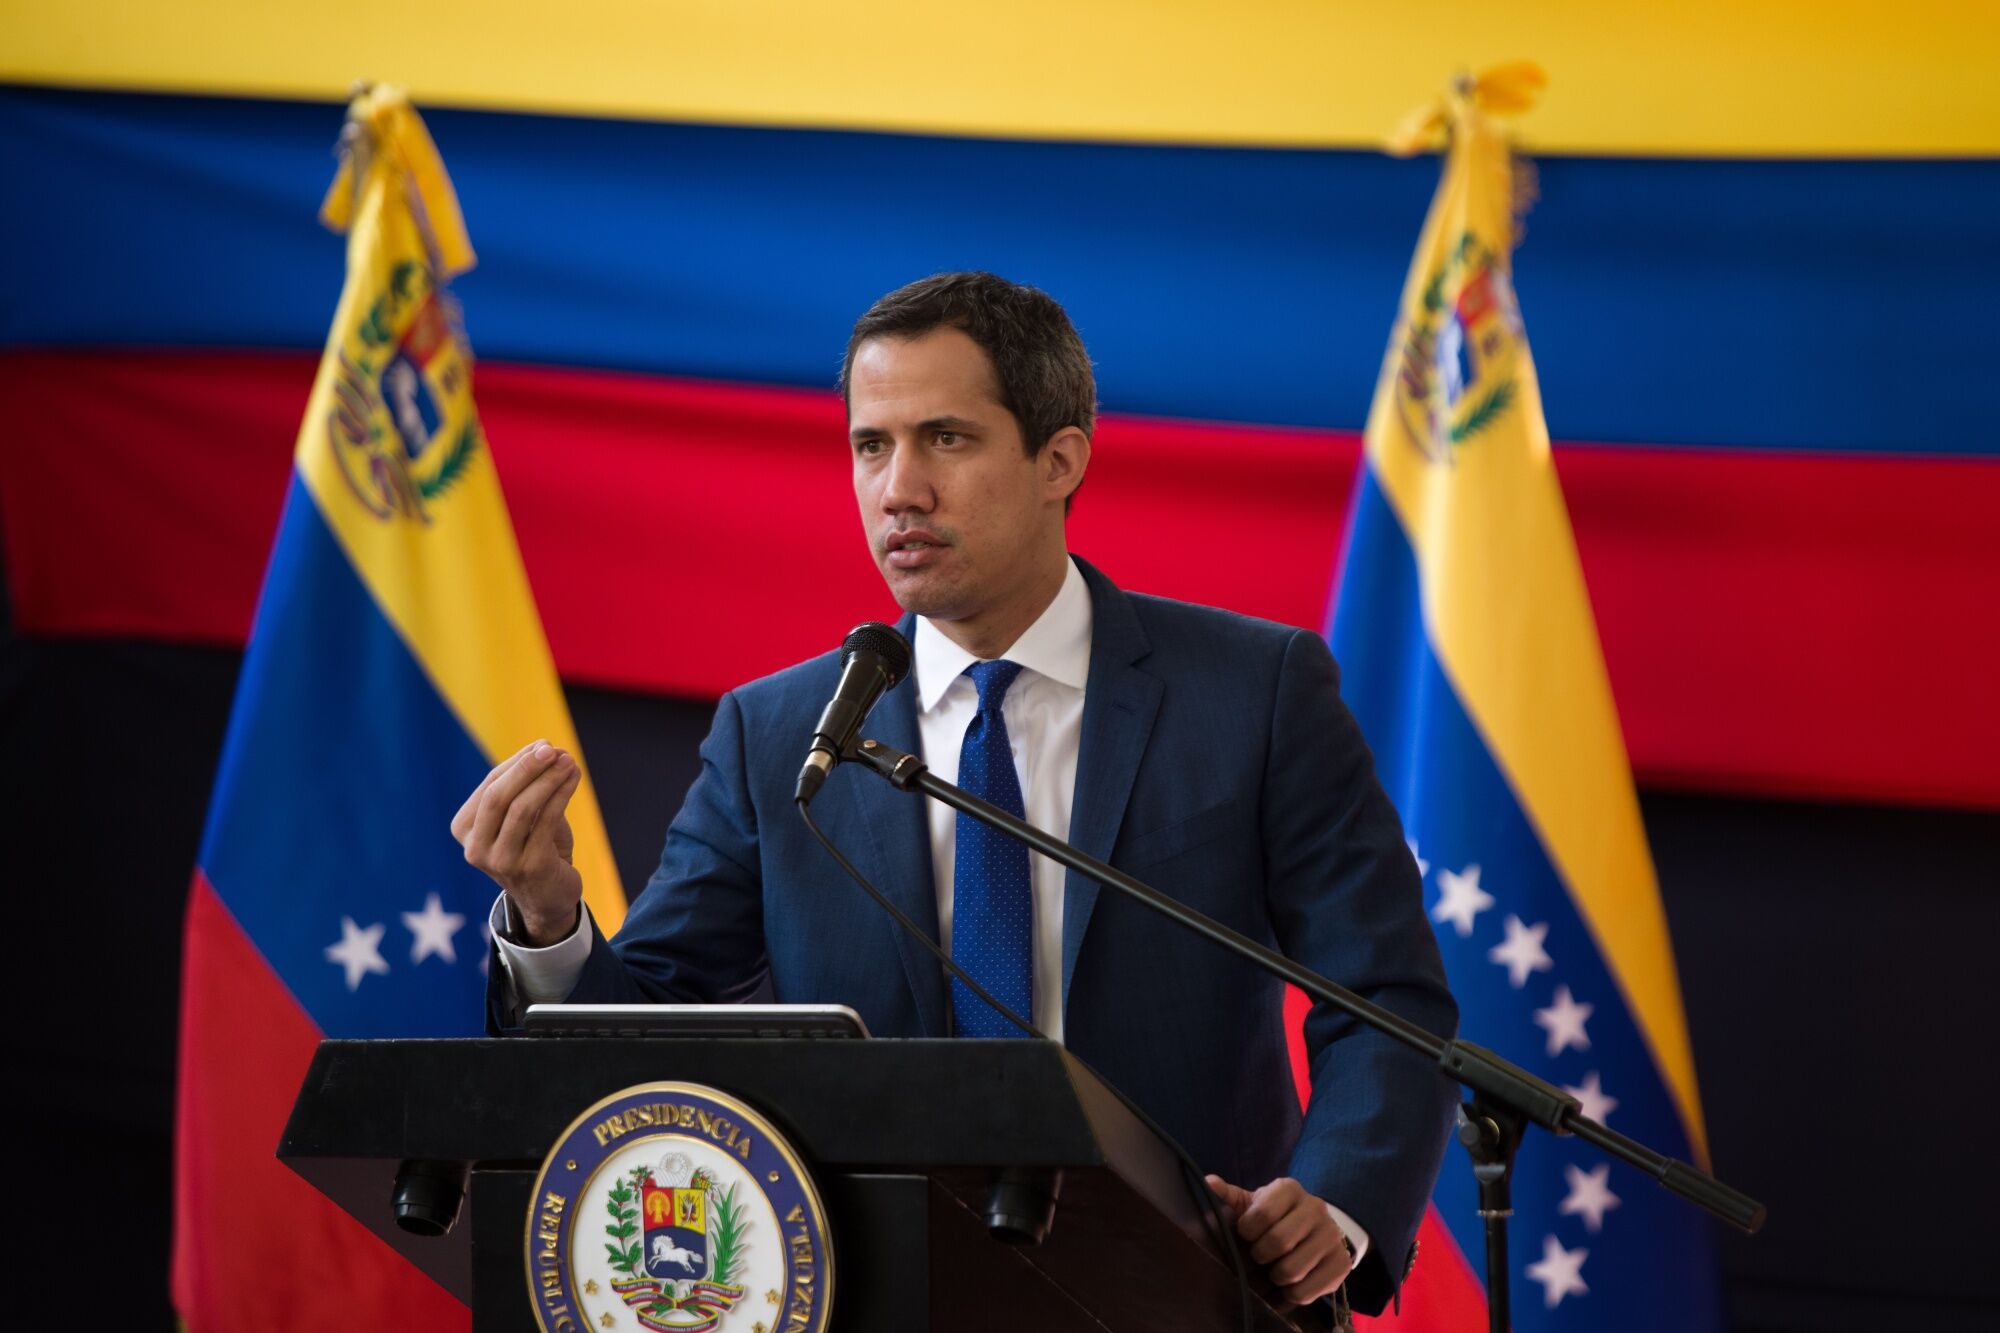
[(513, 828)]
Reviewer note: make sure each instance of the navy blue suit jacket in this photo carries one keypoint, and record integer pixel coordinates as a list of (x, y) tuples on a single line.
[(1217, 764)]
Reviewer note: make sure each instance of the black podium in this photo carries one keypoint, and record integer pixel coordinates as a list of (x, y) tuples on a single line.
[(905, 1140)]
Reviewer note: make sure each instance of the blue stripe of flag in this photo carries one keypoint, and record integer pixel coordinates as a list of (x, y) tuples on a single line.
[(1748, 304)]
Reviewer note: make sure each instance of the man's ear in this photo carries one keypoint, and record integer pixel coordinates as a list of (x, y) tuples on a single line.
[(1063, 461)]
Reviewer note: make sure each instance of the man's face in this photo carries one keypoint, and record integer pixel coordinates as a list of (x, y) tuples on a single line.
[(958, 517)]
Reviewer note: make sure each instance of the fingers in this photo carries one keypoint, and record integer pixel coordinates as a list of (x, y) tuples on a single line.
[(500, 795), (1324, 1277), (461, 823), (1267, 1205), (1314, 1245), (528, 810), (567, 773), (554, 814), (1234, 1198), (1285, 1234)]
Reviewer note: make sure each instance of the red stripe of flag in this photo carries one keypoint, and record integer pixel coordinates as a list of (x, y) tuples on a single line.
[(245, 1045), (1749, 603)]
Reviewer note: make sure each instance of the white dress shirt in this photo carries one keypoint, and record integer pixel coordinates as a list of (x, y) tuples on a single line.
[(1043, 711), (1044, 715)]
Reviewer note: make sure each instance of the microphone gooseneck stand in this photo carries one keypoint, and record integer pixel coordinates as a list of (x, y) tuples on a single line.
[(1504, 1098)]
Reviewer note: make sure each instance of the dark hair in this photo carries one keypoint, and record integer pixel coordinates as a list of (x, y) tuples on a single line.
[(1042, 371)]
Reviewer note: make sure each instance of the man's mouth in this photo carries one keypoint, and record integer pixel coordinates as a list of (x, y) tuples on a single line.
[(912, 549)]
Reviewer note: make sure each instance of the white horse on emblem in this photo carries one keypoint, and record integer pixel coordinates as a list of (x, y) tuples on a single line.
[(666, 1252)]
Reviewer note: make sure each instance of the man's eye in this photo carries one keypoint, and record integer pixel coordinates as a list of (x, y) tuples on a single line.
[(947, 437), (868, 448)]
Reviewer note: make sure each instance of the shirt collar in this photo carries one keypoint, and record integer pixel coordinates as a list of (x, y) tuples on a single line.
[(1057, 645)]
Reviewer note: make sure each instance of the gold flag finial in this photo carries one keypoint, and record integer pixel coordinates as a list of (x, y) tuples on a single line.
[(384, 131), (1502, 90)]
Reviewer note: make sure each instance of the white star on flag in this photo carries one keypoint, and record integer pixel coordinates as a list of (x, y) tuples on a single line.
[(1522, 952), (1560, 1272), (1596, 1104), (359, 951), (1589, 1194), (433, 928), (1423, 866), (1461, 899), (1564, 1020)]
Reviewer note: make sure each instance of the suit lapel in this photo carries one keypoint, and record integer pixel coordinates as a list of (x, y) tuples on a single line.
[(1119, 705), (897, 825)]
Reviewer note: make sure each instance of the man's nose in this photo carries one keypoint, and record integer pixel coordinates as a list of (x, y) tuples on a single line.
[(907, 481)]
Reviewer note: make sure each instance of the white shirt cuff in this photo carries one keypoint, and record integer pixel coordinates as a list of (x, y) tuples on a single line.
[(1356, 1235), (538, 976)]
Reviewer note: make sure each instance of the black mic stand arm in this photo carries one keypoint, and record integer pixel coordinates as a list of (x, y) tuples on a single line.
[(1505, 1097)]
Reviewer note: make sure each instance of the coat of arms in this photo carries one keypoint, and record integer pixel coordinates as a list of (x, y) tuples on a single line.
[(680, 1265), (401, 422), (1455, 376), (673, 1208)]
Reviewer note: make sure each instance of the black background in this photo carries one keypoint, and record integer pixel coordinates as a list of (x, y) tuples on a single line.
[(1831, 959)]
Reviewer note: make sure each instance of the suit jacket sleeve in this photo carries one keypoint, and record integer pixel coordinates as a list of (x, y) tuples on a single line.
[(695, 935), (1347, 901)]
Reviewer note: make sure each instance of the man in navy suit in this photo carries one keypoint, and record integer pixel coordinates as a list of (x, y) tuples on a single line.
[(1205, 752)]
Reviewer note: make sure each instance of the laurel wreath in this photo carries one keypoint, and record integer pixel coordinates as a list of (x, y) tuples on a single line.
[(726, 1236), (456, 460), (1481, 416), (623, 1205)]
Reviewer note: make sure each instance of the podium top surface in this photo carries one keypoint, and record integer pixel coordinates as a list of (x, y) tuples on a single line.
[(876, 1103)]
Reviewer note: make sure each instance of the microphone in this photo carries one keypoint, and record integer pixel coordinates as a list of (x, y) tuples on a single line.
[(873, 658)]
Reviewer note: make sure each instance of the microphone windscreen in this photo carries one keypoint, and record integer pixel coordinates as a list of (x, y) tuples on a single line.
[(889, 646)]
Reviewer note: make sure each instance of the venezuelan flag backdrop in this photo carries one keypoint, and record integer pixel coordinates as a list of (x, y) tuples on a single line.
[(1753, 232), (1756, 274), (395, 658)]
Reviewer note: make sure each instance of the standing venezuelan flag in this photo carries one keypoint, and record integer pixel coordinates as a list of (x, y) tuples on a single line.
[(1470, 656), (396, 655)]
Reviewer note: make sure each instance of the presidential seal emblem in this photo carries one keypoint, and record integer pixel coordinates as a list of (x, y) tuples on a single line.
[(675, 1208), (401, 422), (1459, 351)]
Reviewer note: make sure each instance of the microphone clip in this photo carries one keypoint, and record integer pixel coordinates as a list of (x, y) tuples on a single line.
[(900, 768)]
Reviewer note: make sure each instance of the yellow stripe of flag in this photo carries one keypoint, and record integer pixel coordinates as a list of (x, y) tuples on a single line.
[(1699, 77)]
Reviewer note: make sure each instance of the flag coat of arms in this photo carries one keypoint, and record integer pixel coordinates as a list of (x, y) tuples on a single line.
[(395, 657), (1470, 656)]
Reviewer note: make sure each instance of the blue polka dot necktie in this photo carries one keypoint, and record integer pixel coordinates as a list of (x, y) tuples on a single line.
[(992, 913)]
